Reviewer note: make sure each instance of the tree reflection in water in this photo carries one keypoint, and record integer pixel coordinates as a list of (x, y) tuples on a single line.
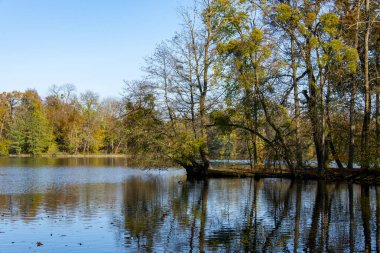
[(250, 215), (378, 219), (153, 213)]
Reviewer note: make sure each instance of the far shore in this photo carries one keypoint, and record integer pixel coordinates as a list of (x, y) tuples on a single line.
[(69, 156)]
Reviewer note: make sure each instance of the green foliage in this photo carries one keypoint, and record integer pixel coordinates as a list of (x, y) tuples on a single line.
[(17, 135), (30, 131), (330, 23), (351, 56), (222, 120), (336, 45), (37, 134), (284, 12), (323, 60), (313, 42), (4, 147), (256, 36), (183, 147)]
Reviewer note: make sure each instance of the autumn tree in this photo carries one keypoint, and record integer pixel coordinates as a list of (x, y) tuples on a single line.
[(91, 134), (112, 112), (63, 112)]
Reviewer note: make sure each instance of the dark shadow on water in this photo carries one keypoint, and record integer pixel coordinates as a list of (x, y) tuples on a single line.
[(366, 216)]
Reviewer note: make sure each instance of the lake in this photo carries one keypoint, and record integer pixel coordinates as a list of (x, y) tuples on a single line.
[(111, 205)]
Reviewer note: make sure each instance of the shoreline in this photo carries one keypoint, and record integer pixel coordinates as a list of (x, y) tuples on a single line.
[(67, 156), (331, 175)]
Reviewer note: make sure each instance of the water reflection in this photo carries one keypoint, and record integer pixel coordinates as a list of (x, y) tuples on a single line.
[(33, 162), (154, 211)]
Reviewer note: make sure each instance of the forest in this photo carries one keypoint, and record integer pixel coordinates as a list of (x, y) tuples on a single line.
[(279, 83)]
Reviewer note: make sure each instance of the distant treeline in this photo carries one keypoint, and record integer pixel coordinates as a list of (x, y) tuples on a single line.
[(278, 83), (65, 122)]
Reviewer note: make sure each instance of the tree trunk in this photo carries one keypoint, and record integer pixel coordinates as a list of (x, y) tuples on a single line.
[(296, 107), (286, 155), (351, 146), (322, 107), (248, 114), (204, 147), (367, 96), (313, 109), (195, 170), (377, 147), (202, 71), (255, 116), (377, 119), (329, 139), (192, 103)]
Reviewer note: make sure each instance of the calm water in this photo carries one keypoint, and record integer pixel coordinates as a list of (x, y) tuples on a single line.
[(106, 205)]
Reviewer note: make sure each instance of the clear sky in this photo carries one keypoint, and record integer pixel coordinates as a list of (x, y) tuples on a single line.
[(93, 44)]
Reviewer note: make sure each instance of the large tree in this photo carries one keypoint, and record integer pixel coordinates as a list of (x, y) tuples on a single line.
[(30, 131)]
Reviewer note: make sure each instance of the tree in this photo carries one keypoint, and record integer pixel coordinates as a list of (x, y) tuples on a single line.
[(8, 102), (63, 112), (91, 134), (187, 78), (141, 121), (30, 131), (112, 112)]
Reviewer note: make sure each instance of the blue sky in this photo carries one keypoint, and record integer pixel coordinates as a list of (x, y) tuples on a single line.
[(93, 44)]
